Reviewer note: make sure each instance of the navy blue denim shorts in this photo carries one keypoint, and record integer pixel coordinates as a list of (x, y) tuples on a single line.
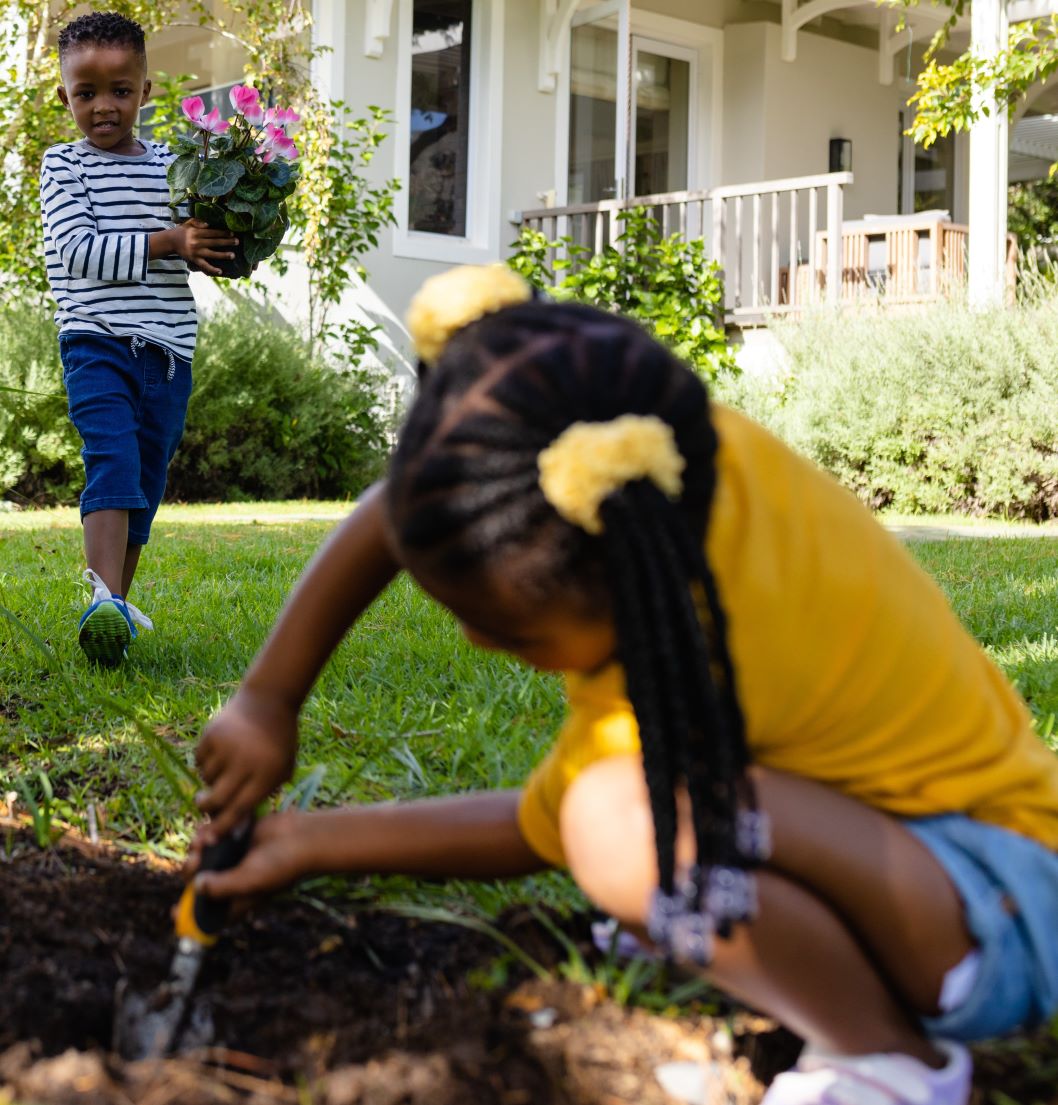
[(128, 400)]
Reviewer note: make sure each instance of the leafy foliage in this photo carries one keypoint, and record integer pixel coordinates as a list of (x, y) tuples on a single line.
[(944, 410), (268, 419), (953, 95), (339, 219), (1032, 212), (40, 458), (668, 284)]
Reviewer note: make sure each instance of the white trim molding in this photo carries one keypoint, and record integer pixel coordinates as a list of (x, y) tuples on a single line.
[(328, 31), (481, 243), (795, 16), (555, 19), (378, 19)]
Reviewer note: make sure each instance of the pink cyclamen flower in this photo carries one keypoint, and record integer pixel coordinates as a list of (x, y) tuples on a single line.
[(265, 153), (281, 116), (193, 107), (276, 140), (247, 102), (285, 148), (213, 122)]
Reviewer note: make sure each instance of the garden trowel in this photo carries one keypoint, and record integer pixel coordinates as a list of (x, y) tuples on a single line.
[(146, 1026)]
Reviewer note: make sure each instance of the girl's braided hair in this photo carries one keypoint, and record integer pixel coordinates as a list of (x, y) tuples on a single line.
[(464, 492)]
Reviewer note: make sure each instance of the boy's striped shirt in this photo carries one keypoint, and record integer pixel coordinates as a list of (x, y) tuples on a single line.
[(99, 209)]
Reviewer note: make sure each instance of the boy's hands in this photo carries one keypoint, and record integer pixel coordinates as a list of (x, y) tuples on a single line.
[(245, 753), (200, 244)]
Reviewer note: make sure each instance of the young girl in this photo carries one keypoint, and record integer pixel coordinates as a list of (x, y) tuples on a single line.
[(784, 759)]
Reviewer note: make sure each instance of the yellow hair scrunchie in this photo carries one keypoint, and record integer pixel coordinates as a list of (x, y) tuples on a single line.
[(451, 300), (590, 460)]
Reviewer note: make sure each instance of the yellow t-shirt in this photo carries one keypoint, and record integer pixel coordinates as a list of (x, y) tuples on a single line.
[(850, 666)]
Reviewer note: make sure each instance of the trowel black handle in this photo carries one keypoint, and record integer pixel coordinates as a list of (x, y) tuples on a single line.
[(199, 916)]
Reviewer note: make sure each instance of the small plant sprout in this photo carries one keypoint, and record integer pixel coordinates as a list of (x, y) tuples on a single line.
[(41, 812)]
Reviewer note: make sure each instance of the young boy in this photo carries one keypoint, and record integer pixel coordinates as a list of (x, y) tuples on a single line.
[(118, 268)]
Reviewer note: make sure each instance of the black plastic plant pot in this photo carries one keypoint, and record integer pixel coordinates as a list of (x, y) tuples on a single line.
[(236, 268)]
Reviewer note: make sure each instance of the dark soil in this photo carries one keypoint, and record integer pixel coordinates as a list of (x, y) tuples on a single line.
[(323, 1006)]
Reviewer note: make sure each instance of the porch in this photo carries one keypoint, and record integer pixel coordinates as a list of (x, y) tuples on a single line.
[(771, 239)]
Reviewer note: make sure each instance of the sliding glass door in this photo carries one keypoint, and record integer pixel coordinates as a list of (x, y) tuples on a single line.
[(631, 109)]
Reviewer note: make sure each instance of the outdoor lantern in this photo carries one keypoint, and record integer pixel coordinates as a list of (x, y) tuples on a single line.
[(841, 155)]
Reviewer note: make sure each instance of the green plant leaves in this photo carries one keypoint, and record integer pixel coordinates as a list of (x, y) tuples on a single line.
[(250, 188), (280, 173), (257, 249), (239, 221), (219, 176), (266, 214), (182, 174), (668, 284)]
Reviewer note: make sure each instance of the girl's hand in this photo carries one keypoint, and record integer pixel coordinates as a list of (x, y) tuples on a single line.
[(281, 852), (246, 752), (199, 244)]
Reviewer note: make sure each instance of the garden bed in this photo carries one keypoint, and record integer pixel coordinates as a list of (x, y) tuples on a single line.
[(313, 1004)]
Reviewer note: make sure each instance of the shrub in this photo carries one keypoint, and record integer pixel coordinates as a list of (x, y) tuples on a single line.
[(947, 409), (40, 458), (667, 284), (268, 420)]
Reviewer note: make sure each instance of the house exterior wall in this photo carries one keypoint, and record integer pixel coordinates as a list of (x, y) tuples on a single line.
[(780, 116), (775, 120)]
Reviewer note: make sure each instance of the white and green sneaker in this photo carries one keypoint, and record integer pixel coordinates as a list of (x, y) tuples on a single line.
[(108, 626)]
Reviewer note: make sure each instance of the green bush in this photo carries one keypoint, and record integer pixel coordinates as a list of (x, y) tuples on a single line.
[(946, 409), (667, 284), (267, 420), (40, 458)]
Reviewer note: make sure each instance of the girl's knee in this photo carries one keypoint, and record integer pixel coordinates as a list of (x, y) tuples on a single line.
[(608, 837)]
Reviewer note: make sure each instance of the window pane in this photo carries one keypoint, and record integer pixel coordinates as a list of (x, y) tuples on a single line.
[(662, 123), (934, 175), (592, 114), (440, 116)]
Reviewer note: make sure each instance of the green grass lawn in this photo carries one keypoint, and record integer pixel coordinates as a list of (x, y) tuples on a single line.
[(405, 708)]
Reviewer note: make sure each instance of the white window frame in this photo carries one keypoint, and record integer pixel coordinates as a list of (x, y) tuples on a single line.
[(669, 50), (704, 168), (481, 242)]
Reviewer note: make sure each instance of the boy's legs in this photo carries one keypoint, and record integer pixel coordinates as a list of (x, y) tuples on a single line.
[(105, 389), (858, 922), (167, 389), (106, 546)]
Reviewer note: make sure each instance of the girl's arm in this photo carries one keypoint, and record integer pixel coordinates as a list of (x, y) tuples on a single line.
[(468, 836), (249, 748)]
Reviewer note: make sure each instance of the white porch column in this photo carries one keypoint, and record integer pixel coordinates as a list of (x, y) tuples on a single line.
[(988, 167)]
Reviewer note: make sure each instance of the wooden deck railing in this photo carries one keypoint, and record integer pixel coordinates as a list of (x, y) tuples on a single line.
[(752, 230), (772, 241)]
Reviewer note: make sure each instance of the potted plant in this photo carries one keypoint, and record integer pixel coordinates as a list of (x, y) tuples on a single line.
[(237, 173)]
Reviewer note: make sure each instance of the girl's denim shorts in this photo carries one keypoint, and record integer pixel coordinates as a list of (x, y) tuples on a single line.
[(1009, 887), (128, 400)]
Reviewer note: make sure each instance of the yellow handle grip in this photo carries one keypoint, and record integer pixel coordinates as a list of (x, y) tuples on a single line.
[(186, 925)]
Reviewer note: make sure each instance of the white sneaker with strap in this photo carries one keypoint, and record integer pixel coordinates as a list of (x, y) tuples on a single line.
[(886, 1079)]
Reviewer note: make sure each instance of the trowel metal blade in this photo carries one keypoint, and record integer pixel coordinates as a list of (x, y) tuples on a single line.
[(146, 1025)]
